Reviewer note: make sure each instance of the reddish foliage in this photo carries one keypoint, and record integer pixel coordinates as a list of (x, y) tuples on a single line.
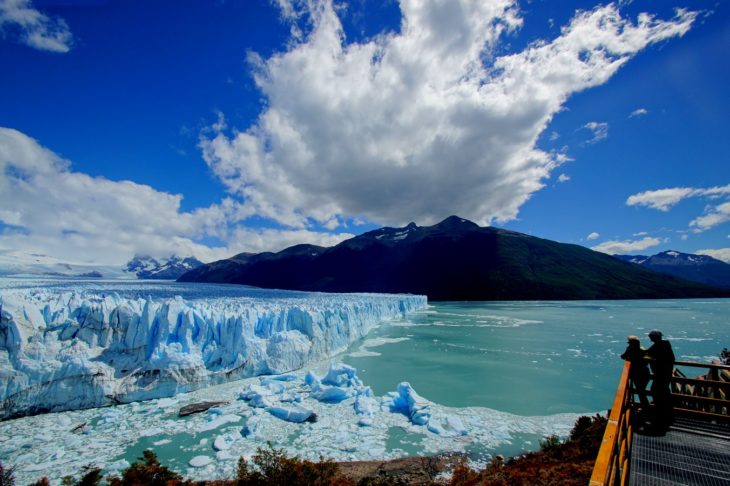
[(558, 464)]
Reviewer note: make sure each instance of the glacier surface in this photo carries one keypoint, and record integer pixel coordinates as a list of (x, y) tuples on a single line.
[(73, 346)]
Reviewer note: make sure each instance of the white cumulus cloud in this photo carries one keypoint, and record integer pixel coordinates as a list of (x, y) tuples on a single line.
[(627, 246), (593, 236), (418, 124), (47, 208), (34, 28), (661, 199), (717, 211), (665, 199), (715, 216), (563, 178)]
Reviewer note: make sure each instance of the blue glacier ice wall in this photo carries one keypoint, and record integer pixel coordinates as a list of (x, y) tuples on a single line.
[(65, 349)]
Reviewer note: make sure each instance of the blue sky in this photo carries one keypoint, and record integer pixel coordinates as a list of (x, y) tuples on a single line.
[(216, 127)]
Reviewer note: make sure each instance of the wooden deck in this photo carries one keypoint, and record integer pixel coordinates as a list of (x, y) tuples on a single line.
[(695, 450)]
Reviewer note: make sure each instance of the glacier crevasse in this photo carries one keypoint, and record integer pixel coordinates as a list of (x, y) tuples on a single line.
[(79, 349)]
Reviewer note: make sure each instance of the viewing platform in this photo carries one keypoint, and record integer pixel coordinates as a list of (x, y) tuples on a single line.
[(695, 450)]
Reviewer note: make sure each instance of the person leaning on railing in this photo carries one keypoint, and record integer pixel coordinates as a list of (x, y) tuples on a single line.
[(639, 371), (661, 359)]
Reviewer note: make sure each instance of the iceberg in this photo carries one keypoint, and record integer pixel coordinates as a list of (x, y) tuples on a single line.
[(406, 401), (200, 461), (294, 413), (224, 442), (341, 374), (64, 348), (343, 379)]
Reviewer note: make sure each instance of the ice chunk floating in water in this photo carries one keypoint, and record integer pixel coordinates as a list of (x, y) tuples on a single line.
[(207, 445), (67, 348)]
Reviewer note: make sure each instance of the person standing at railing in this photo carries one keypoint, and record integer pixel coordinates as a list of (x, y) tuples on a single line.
[(639, 371), (661, 359)]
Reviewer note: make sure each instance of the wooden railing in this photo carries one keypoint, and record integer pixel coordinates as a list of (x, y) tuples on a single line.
[(706, 396), (612, 463)]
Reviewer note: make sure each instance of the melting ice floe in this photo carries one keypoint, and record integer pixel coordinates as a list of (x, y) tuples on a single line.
[(364, 350), (65, 349), (355, 425)]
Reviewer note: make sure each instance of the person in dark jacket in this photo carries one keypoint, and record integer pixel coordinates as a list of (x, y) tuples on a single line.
[(639, 371), (661, 359)]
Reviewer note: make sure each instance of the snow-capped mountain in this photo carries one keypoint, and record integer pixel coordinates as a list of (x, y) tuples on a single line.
[(146, 267), (697, 268), (27, 263)]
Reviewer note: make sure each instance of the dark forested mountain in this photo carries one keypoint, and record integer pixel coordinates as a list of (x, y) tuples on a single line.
[(697, 268), (452, 260)]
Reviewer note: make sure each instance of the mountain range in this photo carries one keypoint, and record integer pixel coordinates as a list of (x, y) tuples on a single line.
[(146, 267), (697, 268), (452, 260)]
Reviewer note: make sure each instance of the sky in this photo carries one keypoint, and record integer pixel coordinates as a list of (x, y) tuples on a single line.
[(214, 127)]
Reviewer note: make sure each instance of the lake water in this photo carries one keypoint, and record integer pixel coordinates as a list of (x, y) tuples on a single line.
[(512, 372), (532, 358)]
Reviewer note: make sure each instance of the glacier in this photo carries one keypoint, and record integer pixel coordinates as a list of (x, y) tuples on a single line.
[(75, 346)]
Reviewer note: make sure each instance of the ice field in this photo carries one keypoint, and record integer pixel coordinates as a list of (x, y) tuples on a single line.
[(353, 424)]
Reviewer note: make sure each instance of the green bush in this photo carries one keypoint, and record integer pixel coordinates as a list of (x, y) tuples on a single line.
[(550, 443)]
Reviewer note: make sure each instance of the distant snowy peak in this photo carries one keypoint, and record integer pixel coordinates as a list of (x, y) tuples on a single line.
[(394, 234), (23, 262), (697, 268), (672, 257), (638, 259), (146, 267)]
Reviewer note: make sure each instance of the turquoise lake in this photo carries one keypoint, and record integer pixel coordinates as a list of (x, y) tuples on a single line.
[(531, 358)]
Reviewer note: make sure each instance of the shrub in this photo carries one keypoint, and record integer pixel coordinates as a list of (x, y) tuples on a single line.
[(274, 468), (550, 443), (148, 471), (91, 477), (568, 463)]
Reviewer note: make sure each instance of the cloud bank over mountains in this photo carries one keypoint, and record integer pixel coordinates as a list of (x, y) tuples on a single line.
[(412, 125), (46, 208), (422, 123)]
